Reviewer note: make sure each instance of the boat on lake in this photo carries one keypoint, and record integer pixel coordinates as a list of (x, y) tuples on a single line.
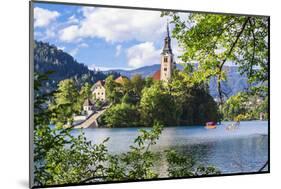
[(211, 125), (233, 126)]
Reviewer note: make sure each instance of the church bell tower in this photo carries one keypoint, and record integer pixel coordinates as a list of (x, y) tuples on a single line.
[(167, 59)]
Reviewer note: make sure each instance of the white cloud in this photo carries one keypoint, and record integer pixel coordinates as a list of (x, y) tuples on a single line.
[(61, 48), (104, 68), (43, 17), (74, 51), (69, 33), (143, 54), (72, 20), (50, 33), (83, 45), (116, 25), (118, 50)]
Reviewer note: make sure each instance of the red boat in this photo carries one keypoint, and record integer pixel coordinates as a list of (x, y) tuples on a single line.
[(211, 125)]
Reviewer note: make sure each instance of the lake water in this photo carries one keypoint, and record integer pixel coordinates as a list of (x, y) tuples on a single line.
[(241, 150)]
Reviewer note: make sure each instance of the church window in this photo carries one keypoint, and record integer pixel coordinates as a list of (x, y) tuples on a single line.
[(165, 69), (165, 59)]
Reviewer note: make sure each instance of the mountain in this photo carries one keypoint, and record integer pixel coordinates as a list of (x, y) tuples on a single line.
[(234, 84), (49, 58), (144, 71)]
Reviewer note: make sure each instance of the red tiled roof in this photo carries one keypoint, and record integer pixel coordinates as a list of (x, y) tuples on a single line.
[(156, 75), (121, 79)]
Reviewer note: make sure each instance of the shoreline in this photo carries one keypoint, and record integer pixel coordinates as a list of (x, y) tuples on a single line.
[(178, 126)]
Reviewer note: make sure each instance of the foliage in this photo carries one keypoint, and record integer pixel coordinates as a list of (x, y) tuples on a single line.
[(180, 165), (244, 107), (194, 103), (113, 94), (213, 40), (138, 163), (179, 102), (122, 115), (137, 85), (157, 104), (98, 104), (73, 163), (66, 102), (45, 137), (85, 92)]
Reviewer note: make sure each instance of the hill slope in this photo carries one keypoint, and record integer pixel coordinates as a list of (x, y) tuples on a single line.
[(48, 57)]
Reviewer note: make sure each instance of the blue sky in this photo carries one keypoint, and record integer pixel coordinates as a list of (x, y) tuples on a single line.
[(103, 38)]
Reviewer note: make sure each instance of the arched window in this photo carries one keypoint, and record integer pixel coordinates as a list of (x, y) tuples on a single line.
[(165, 59)]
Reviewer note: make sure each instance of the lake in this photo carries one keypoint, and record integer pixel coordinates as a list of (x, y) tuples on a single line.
[(241, 150)]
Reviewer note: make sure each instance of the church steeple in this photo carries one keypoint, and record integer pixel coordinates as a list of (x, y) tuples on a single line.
[(167, 59), (167, 42)]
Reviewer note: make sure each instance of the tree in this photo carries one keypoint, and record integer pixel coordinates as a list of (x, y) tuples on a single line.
[(180, 165), (157, 104), (244, 106), (122, 115), (50, 142), (235, 106), (138, 162), (85, 92), (112, 90), (214, 40), (65, 103), (137, 84), (194, 103)]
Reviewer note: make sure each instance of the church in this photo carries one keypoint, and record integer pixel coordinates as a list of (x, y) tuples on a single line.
[(167, 64)]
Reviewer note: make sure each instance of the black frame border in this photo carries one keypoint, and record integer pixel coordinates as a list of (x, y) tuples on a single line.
[(31, 100)]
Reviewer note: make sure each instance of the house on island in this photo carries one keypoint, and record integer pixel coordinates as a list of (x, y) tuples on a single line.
[(167, 64), (88, 107), (98, 90)]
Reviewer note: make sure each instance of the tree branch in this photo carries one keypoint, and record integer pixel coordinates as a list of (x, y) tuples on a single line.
[(235, 42), (228, 54), (254, 48)]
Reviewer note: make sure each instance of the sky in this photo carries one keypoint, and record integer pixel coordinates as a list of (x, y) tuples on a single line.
[(104, 38)]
